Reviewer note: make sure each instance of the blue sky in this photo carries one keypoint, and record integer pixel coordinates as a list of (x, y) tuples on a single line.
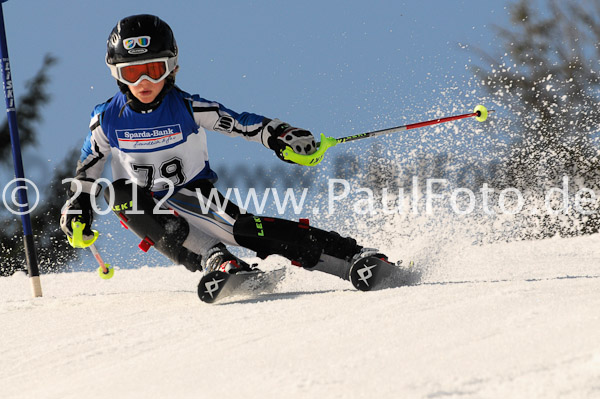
[(337, 67)]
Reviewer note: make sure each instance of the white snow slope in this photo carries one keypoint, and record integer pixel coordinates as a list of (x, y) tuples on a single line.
[(516, 320)]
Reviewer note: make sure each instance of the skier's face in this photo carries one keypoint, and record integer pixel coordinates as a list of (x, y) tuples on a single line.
[(146, 91)]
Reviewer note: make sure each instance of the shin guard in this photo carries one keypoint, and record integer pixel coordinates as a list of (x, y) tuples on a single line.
[(166, 232), (297, 241)]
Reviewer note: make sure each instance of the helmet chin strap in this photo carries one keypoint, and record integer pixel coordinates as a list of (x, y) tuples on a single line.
[(141, 107)]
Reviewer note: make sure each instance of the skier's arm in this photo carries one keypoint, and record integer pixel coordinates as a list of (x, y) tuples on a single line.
[(94, 152), (272, 133), (211, 115)]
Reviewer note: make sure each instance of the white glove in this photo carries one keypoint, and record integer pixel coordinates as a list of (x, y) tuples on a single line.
[(280, 135)]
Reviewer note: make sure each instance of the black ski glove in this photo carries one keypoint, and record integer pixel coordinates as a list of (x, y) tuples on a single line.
[(280, 135), (80, 203)]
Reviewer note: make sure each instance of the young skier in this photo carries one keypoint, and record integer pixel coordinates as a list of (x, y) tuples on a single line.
[(155, 133)]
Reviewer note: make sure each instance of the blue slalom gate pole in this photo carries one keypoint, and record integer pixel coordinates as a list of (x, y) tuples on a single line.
[(21, 190)]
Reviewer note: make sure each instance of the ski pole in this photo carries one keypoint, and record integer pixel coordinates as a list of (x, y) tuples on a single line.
[(480, 113), (105, 271)]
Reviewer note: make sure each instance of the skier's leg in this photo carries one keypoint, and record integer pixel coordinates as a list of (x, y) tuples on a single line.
[(208, 211), (205, 220), (304, 245), (313, 248), (172, 235)]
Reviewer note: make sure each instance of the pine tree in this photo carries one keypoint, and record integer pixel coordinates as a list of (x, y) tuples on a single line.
[(549, 80), (52, 249)]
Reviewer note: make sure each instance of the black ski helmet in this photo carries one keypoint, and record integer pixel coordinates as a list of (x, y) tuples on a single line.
[(140, 37)]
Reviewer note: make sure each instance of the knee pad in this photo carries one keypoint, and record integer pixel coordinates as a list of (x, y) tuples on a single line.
[(297, 241), (166, 232)]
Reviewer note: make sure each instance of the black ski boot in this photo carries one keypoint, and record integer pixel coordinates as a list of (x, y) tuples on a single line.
[(370, 270), (218, 258)]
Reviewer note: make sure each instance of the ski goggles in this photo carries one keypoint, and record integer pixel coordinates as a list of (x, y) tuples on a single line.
[(141, 41), (132, 73)]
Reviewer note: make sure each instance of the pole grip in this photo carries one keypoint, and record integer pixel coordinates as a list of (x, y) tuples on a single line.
[(311, 159)]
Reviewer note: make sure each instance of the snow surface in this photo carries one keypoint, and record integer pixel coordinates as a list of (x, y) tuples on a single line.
[(507, 320)]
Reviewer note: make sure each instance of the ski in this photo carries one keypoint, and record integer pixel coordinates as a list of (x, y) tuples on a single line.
[(372, 274), (217, 285)]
